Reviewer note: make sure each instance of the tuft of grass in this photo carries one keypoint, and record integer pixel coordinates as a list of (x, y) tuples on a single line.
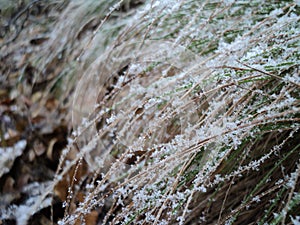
[(199, 103), (184, 112)]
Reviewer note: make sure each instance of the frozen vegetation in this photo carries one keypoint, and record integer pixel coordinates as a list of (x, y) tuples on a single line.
[(183, 112)]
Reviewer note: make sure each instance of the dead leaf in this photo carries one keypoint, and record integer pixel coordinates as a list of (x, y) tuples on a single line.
[(24, 179), (50, 148), (51, 104), (45, 221), (36, 96), (31, 155), (39, 148), (8, 185), (3, 94), (9, 141), (13, 133)]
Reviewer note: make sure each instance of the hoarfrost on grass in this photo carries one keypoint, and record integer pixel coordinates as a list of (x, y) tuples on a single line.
[(235, 98)]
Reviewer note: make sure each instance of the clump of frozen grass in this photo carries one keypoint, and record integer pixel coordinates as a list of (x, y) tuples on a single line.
[(191, 115), (195, 116)]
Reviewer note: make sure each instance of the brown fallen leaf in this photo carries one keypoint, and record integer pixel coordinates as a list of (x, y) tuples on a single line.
[(39, 148), (50, 148), (13, 133), (51, 104), (31, 155), (36, 96), (9, 141), (8, 185), (3, 94)]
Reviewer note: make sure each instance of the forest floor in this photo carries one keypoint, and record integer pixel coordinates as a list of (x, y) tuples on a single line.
[(34, 123)]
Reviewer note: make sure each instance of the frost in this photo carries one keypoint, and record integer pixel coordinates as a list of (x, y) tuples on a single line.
[(201, 189), (111, 119), (135, 69), (9, 154), (256, 199), (296, 220), (276, 12), (33, 203), (228, 2), (216, 131), (293, 179), (294, 78)]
